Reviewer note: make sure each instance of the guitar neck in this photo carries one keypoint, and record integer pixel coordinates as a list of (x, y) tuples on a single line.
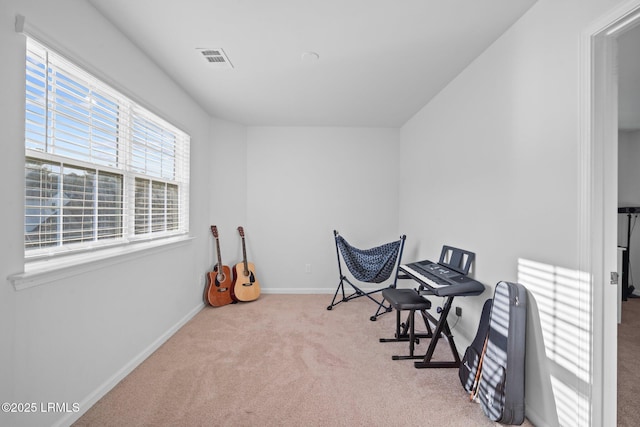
[(219, 255), (244, 257)]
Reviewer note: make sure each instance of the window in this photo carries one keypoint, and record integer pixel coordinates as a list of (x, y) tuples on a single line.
[(99, 168)]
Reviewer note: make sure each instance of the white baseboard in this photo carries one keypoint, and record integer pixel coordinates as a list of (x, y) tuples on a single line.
[(309, 291), (537, 420), (97, 394), (297, 291)]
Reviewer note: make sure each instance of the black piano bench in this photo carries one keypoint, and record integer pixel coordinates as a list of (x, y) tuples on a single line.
[(407, 300)]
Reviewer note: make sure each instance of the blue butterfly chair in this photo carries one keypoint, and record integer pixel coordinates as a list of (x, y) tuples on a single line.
[(374, 265)]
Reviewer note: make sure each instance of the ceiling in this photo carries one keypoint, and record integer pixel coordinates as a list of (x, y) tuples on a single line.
[(378, 61)]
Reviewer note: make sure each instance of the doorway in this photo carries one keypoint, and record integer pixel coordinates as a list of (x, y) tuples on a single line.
[(628, 66), (599, 200)]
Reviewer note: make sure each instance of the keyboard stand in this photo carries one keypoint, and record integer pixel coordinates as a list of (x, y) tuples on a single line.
[(436, 281), (441, 330)]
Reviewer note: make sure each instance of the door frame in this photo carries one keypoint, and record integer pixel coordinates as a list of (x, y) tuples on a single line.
[(598, 206)]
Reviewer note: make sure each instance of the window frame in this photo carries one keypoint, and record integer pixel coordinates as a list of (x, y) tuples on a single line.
[(70, 254)]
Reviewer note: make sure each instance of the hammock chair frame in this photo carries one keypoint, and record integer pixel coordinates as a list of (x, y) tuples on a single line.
[(382, 308)]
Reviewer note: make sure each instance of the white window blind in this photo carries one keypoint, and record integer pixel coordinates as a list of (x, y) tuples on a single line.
[(99, 168)]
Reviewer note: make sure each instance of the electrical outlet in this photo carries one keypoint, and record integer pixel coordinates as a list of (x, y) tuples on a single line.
[(307, 268), (458, 311)]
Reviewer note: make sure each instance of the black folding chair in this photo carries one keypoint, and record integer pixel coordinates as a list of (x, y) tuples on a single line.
[(375, 265)]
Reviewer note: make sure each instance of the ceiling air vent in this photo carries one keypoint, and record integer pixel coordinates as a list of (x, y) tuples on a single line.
[(216, 57)]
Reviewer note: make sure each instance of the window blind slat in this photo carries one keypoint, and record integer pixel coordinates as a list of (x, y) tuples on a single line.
[(83, 141)]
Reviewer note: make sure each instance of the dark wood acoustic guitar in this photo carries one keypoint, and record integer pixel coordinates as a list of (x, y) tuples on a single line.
[(220, 291), (245, 284)]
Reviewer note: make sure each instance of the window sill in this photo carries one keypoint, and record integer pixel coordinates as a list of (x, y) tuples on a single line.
[(45, 271)]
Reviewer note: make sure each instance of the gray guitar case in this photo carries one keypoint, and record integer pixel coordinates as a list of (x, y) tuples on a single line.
[(471, 360), (501, 385)]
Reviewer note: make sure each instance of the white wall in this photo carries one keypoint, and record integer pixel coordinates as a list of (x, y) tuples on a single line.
[(72, 339), (629, 195), (302, 183), (497, 153), (227, 189), (12, 214)]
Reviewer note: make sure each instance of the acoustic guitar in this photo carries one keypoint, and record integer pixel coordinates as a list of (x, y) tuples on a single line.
[(245, 284), (220, 291)]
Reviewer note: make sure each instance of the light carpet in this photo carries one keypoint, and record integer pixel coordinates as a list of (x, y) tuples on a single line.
[(628, 372), (284, 360)]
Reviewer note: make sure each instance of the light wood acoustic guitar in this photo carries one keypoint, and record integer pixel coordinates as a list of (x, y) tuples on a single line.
[(220, 291), (245, 284)]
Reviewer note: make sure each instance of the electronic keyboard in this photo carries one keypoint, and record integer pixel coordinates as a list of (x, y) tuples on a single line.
[(441, 286), (446, 277)]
